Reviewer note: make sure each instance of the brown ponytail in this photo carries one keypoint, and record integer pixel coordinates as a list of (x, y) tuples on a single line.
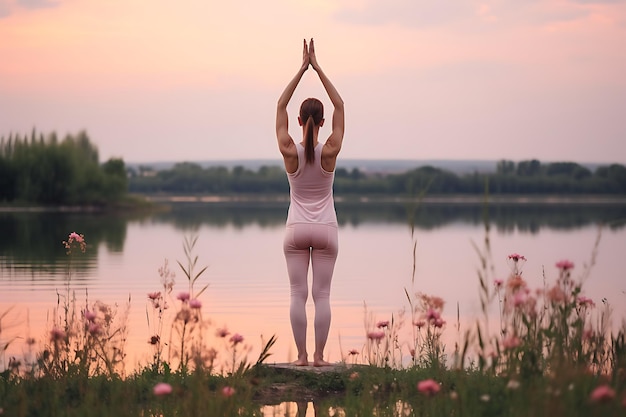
[(312, 113), (309, 149)]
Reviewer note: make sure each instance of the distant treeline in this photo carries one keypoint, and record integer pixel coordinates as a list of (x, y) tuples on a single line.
[(525, 177), (49, 171)]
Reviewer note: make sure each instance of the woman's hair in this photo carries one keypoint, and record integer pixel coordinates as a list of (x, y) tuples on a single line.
[(311, 114)]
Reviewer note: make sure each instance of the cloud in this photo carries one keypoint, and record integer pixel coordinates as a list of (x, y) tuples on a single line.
[(37, 4), (542, 14), (599, 1), (466, 14), (7, 7), (5, 10), (406, 12)]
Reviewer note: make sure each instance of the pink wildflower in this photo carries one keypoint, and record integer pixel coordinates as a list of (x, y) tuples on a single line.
[(412, 352), (439, 322), (498, 282), (222, 332), (585, 301), (602, 393), (228, 391), (517, 257), (382, 323), (419, 323), (236, 339), (57, 334), (565, 265), (432, 314), (428, 386), (195, 303), (76, 237), (520, 298), (90, 315), (511, 342), (183, 296), (162, 388), (154, 295), (375, 334), (94, 329)]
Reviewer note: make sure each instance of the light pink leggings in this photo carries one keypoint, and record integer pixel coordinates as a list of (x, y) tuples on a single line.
[(317, 243)]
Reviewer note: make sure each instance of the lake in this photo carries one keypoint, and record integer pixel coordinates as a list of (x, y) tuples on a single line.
[(248, 293)]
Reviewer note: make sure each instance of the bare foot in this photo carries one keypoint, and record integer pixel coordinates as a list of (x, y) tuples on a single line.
[(321, 362), (303, 361)]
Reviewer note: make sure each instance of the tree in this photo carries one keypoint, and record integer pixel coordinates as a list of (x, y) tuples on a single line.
[(568, 169), (115, 179), (505, 167), (52, 172), (529, 168)]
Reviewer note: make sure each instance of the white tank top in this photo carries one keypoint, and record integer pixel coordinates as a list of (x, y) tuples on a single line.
[(311, 191)]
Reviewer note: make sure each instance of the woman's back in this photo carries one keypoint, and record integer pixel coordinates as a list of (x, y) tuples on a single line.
[(311, 191)]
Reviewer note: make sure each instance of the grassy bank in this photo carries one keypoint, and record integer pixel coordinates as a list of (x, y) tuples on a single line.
[(353, 391)]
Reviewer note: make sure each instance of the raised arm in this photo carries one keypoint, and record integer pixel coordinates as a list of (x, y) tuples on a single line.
[(335, 140), (286, 144)]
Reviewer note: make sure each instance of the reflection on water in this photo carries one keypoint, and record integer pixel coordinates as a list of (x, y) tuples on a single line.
[(31, 242), (242, 246), (330, 407), (291, 409), (524, 217), (28, 240)]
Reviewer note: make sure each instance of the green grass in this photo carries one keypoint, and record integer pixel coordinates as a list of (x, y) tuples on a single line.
[(357, 391)]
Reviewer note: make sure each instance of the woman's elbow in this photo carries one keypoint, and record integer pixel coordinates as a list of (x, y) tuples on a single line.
[(281, 104)]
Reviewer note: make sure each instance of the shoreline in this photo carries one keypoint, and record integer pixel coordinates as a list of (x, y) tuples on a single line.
[(156, 202), (373, 199)]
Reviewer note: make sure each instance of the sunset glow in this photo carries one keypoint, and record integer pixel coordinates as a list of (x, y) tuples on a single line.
[(429, 80)]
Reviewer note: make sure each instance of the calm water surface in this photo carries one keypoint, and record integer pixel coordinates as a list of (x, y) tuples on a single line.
[(248, 288)]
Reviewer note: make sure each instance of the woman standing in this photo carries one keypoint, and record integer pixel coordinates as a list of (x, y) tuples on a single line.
[(311, 228)]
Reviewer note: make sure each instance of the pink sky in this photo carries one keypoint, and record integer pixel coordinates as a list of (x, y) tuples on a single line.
[(198, 79)]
